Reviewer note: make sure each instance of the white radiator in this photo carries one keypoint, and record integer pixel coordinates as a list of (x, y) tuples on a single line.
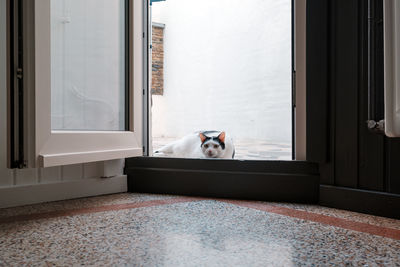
[(392, 67)]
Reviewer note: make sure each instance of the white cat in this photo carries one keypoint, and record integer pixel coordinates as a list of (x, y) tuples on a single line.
[(205, 144)]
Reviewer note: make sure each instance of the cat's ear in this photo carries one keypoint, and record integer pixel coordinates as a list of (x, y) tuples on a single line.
[(221, 137), (202, 137)]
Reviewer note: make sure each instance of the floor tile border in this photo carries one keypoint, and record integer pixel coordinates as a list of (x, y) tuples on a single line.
[(290, 212), (320, 218), (72, 212)]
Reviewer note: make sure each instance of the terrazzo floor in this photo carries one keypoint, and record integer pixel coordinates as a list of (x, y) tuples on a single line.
[(159, 230), (246, 149)]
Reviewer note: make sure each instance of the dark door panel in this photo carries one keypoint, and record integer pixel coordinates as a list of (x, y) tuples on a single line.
[(393, 165), (345, 83), (362, 166)]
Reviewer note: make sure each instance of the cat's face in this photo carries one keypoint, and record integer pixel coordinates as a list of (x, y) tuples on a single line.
[(212, 147)]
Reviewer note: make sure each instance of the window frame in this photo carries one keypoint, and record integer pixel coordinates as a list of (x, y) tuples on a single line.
[(53, 148)]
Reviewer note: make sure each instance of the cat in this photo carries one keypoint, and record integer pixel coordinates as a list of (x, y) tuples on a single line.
[(204, 144)]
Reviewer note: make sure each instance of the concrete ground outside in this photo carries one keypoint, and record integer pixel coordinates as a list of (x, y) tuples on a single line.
[(246, 149)]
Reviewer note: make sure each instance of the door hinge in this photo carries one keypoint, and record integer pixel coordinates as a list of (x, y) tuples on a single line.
[(19, 73), (376, 126), (20, 164)]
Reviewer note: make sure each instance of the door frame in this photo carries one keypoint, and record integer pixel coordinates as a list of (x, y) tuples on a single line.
[(295, 181)]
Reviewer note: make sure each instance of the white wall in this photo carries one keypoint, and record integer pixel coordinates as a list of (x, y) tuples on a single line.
[(18, 187), (227, 67)]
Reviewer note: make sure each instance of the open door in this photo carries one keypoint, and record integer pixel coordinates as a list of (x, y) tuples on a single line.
[(76, 81)]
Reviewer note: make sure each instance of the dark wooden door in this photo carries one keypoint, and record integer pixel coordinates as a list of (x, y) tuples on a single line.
[(360, 169)]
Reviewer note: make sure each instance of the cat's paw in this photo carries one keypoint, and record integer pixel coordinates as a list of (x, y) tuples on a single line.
[(160, 154)]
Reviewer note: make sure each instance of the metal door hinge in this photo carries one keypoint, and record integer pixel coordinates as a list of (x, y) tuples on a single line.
[(376, 126), (19, 73), (20, 164)]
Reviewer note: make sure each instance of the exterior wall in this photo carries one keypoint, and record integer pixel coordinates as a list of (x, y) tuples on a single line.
[(157, 64), (34, 178), (226, 69)]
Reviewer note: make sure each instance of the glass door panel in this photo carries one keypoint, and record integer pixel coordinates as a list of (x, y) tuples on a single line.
[(88, 80), (88, 65)]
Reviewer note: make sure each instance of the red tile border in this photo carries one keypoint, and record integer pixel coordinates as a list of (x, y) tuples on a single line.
[(71, 212), (324, 219)]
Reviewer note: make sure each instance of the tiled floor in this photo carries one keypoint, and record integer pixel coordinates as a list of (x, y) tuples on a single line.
[(246, 149), (156, 230)]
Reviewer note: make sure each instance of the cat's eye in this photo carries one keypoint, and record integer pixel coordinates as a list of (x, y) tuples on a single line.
[(206, 146), (215, 146)]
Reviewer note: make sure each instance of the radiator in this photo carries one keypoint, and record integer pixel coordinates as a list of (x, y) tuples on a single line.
[(392, 67)]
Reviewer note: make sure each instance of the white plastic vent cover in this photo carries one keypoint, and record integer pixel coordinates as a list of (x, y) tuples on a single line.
[(392, 67)]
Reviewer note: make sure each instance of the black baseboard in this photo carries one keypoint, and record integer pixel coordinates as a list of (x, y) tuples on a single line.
[(269, 181), (370, 202)]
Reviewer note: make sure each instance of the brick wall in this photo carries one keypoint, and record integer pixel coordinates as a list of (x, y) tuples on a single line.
[(157, 75)]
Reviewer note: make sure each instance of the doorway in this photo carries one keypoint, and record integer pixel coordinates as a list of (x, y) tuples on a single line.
[(247, 178), (229, 70)]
